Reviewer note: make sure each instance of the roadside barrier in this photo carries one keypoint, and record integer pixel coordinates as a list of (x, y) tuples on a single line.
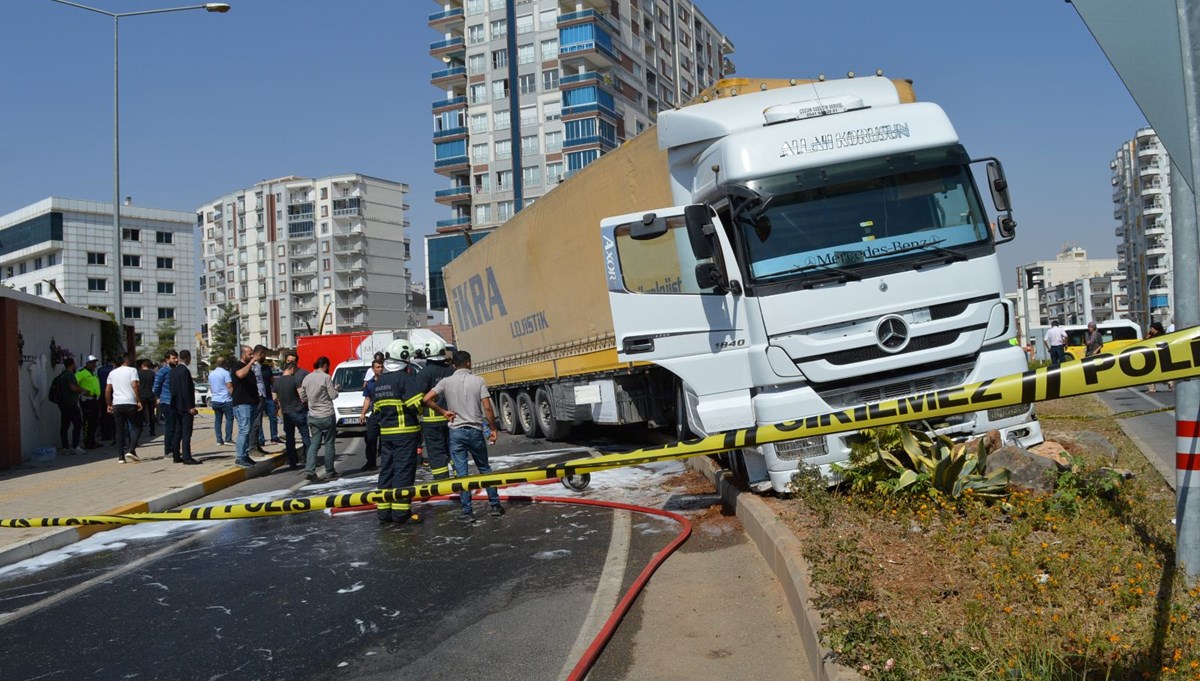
[(1170, 357)]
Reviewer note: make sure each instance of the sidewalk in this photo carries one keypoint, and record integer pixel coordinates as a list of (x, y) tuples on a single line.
[(94, 483)]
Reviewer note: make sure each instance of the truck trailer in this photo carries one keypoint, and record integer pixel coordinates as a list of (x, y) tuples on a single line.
[(773, 250)]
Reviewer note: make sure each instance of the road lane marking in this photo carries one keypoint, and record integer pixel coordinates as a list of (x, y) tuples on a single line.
[(608, 591)]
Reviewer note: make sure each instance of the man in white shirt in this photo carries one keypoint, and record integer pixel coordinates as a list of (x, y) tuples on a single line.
[(1056, 343), (121, 394)]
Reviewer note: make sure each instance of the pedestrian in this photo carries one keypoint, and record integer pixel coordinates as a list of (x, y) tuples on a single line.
[(292, 358), (245, 401), (369, 418), (69, 416), (1056, 343), (121, 394), (1156, 329), (435, 430), (318, 391), (1093, 340), (468, 406), (271, 408), (220, 393), (89, 401), (146, 395), (162, 390), (397, 401), (106, 419), (263, 386), (294, 413), (183, 400)]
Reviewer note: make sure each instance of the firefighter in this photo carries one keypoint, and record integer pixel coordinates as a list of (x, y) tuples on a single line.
[(397, 403), (434, 427)]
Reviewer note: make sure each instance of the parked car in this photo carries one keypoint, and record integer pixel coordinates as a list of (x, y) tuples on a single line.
[(202, 396), (349, 377)]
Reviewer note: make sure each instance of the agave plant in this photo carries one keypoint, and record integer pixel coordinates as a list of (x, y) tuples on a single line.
[(916, 460)]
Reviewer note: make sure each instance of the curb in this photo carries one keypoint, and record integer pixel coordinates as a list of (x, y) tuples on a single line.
[(197, 490), (785, 556)]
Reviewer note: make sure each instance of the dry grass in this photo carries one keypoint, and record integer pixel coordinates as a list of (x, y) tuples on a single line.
[(1076, 585)]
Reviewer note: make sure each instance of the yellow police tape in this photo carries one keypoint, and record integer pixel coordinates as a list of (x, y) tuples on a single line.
[(1165, 358)]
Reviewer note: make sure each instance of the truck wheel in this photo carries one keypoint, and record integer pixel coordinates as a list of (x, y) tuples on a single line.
[(508, 414), (552, 428), (526, 418)]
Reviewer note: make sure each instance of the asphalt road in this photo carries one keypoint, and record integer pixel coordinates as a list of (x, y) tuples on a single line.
[(1149, 420)]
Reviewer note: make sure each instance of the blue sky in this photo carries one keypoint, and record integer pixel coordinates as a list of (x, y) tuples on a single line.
[(211, 103)]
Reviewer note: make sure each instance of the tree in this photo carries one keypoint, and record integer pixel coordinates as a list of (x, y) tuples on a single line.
[(112, 341), (165, 334), (224, 333)]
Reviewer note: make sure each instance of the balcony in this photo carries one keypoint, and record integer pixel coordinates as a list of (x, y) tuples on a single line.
[(304, 303), (357, 319), (1120, 231), (348, 283), (1156, 228), (1159, 267), (303, 285), (302, 252), (1150, 169), (1154, 188), (344, 264), (346, 208), (592, 47), (445, 19), (1156, 248), (449, 134), (352, 248), (1153, 208), (587, 16), (453, 195), (451, 103), (342, 230), (351, 300), (447, 48), (300, 230), (454, 224), (444, 77)]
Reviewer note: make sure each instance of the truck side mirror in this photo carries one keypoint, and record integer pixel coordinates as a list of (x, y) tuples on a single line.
[(999, 186), (700, 230), (651, 227), (708, 275)]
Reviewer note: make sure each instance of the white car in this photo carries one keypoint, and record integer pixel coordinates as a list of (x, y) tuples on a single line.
[(202, 396), (349, 377)]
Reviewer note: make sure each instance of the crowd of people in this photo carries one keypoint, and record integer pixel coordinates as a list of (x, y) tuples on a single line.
[(412, 397)]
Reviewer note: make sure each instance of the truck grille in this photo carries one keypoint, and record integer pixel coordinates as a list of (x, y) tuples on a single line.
[(946, 378), (804, 448), (870, 352)]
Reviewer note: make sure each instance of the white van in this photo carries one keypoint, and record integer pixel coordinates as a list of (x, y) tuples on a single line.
[(349, 377)]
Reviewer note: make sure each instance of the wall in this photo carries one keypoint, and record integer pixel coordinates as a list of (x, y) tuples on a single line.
[(37, 323)]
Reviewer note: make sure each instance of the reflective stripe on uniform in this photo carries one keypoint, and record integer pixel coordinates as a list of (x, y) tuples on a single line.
[(398, 405), (444, 470)]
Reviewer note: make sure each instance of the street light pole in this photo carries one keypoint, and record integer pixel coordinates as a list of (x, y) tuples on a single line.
[(217, 7)]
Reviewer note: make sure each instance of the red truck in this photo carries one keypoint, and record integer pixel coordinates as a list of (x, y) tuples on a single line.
[(338, 347)]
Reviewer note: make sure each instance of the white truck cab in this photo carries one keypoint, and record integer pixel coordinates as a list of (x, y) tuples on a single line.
[(830, 249)]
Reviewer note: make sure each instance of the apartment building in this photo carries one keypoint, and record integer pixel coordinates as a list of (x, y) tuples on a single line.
[(298, 256), (1071, 289), (535, 90), (65, 247), (1141, 179)]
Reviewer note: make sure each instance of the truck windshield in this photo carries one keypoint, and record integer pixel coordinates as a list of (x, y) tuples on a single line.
[(880, 211)]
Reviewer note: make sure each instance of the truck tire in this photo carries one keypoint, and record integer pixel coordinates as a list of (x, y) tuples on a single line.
[(508, 414), (526, 414), (550, 426)]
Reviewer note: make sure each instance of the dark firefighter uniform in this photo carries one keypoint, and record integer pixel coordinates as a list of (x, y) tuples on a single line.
[(397, 404), (434, 427)]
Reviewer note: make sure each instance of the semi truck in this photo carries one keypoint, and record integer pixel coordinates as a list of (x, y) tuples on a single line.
[(773, 250)]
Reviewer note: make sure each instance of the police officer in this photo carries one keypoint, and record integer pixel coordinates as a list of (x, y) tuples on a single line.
[(434, 427), (397, 398)]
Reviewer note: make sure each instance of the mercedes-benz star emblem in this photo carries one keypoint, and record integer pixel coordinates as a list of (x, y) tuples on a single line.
[(892, 334)]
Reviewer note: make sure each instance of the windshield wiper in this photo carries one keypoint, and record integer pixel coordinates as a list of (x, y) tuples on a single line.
[(828, 270), (942, 255)]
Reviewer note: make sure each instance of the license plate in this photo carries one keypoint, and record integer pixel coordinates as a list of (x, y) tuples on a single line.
[(350, 421)]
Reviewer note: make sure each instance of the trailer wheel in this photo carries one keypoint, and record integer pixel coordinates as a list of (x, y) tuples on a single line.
[(551, 427), (508, 414), (526, 415)]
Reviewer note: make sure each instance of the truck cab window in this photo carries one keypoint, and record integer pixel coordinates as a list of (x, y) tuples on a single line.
[(662, 265)]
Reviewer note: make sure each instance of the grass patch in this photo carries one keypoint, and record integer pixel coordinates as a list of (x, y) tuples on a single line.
[(1079, 584)]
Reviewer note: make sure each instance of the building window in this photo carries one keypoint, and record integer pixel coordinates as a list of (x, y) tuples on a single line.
[(479, 94), (479, 153), (504, 210), (476, 63), (37, 263), (131, 234), (324, 228), (166, 288), (552, 110), (499, 29), (133, 313), (326, 282), (525, 54), (37, 289), (483, 213), (95, 258), (23, 268), (532, 176), (164, 238), (483, 183), (138, 338), (554, 172), (501, 120), (132, 286), (166, 263), (500, 59), (527, 83), (548, 19), (529, 144), (324, 192), (503, 149), (479, 123), (166, 313), (500, 88), (52, 259), (475, 34), (550, 52), (131, 261), (529, 116), (324, 246), (525, 24), (504, 180), (283, 268), (553, 141), (325, 264)]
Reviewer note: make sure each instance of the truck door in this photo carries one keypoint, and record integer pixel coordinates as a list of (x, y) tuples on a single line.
[(663, 314)]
